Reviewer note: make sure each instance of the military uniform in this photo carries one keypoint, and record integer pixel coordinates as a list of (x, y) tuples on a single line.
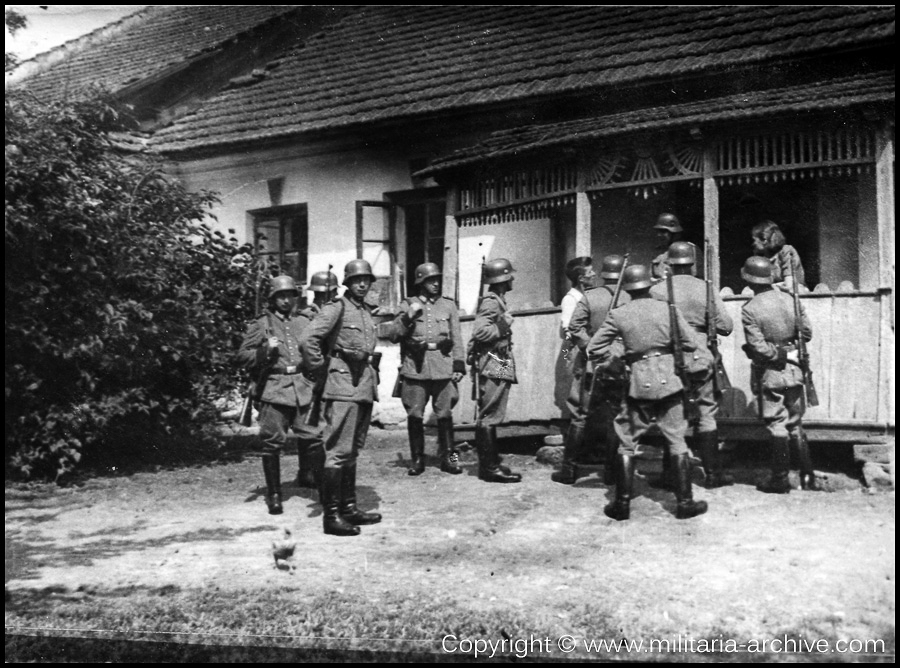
[(590, 314), (770, 328), (431, 350), (491, 345), (654, 395), (690, 298), (286, 399), (341, 341)]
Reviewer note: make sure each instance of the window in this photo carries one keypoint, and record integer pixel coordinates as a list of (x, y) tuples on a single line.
[(281, 237)]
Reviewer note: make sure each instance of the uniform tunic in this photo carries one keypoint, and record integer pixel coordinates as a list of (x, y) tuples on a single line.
[(432, 350), (659, 266), (491, 347), (690, 298), (590, 314), (288, 392), (654, 391), (341, 340), (770, 329)]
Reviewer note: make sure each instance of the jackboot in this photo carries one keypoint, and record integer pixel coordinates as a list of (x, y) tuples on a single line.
[(329, 495), (416, 430), (612, 454), (449, 456), (684, 494), (348, 508), (620, 509), (666, 479), (489, 468), (272, 471), (311, 461), (568, 470), (807, 475), (781, 462), (708, 445), (498, 460)]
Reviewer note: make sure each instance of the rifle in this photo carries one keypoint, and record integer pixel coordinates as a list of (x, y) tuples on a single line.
[(690, 411), (254, 391), (473, 359), (721, 382), (612, 305), (812, 397)]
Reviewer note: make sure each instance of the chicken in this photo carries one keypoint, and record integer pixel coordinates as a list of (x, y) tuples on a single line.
[(283, 551)]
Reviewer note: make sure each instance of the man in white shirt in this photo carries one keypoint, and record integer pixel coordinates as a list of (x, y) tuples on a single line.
[(582, 276)]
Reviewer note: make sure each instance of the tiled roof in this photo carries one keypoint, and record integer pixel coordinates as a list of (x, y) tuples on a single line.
[(827, 95), (396, 62), (147, 44)]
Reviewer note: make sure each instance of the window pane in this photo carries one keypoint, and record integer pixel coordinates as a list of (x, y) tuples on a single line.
[(295, 266), (379, 257), (268, 236)]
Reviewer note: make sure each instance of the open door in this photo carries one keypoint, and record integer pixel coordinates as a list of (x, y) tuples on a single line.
[(375, 243)]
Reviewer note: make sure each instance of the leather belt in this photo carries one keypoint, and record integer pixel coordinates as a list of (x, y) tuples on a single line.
[(340, 353), (631, 358)]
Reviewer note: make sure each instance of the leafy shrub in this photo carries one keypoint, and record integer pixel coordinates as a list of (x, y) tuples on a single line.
[(123, 307)]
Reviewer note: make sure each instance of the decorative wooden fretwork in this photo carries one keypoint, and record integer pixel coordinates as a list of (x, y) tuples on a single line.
[(520, 191), (790, 155), (534, 210), (526, 194)]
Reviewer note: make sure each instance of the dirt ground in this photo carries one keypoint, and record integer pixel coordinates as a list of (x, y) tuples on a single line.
[(754, 567)]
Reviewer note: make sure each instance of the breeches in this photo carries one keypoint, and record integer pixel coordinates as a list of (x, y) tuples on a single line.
[(275, 421), (707, 406), (346, 428), (494, 397), (443, 395), (783, 410), (637, 418)]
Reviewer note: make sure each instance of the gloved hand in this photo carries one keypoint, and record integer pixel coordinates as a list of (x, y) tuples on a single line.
[(272, 346)]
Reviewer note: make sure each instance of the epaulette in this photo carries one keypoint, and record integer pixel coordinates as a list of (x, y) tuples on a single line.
[(452, 301)]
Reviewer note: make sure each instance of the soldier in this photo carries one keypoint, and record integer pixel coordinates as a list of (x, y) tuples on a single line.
[(654, 391), (770, 327), (668, 231), (311, 456), (341, 342), (271, 348), (494, 369), (690, 298), (589, 315), (432, 364)]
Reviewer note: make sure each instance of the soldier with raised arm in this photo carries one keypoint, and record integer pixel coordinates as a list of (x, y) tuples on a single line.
[(771, 328), (341, 343), (432, 363), (654, 391), (690, 298), (592, 415), (490, 353), (271, 349)]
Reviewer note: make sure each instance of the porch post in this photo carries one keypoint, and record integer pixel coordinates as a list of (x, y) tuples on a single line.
[(451, 247), (582, 218), (884, 195), (711, 213)]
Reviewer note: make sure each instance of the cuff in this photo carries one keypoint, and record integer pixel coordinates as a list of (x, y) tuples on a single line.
[(459, 366)]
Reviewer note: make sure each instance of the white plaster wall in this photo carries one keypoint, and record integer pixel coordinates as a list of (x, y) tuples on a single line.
[(328, 184)]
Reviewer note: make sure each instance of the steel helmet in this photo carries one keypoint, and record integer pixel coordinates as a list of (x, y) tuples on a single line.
[(681, 252), (497, 271), (636, 278), (668, 221), (323, 281), (427, 270), (283, 284), (612, 267), (356, 268), (757, 270)]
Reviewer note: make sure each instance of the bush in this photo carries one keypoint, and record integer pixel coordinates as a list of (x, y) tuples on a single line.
[(123, 308)]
